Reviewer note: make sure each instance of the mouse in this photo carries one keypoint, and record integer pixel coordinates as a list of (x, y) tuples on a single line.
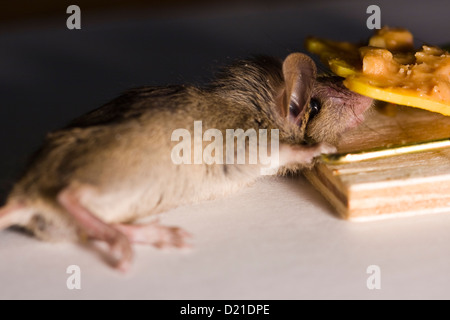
[(105, 171)]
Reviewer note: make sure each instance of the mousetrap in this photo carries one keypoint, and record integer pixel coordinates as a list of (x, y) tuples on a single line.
[(390, 166)]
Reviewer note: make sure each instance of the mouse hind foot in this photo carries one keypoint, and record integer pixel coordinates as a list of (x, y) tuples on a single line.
[(155, 234)]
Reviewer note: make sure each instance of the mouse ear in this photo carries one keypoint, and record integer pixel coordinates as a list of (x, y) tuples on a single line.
[(299, 73)]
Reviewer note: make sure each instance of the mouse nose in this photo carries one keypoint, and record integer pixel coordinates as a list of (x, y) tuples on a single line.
[(361, 103)]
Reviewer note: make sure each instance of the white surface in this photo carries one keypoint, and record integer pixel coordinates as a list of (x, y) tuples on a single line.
[(278, 239)]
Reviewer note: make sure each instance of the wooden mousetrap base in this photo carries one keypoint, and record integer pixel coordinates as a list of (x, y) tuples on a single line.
[(401, 185)]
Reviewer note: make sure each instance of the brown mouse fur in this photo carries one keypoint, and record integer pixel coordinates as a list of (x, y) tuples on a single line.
[(112, 166)]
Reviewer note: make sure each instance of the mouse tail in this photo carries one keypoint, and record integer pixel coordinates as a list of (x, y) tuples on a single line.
[(13, 213)]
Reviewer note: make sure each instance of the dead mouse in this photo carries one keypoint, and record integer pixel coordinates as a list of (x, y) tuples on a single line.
[(113, 166)]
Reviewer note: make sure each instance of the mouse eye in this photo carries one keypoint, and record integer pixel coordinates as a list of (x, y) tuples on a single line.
[(315, 106)]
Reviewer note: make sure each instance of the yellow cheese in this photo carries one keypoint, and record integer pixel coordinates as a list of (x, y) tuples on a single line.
[(390, 70)]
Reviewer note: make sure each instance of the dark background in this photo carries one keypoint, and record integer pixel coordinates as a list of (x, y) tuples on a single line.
[(49, 74)]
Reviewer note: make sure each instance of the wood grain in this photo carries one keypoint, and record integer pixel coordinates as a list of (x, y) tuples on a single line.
[(402, 185)]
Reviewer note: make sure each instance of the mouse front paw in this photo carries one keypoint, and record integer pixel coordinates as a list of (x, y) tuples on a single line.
[(325, 148), (303, 154)]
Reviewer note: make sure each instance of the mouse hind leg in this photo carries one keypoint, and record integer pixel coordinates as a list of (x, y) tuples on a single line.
[(94, 227), (118, 236)]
